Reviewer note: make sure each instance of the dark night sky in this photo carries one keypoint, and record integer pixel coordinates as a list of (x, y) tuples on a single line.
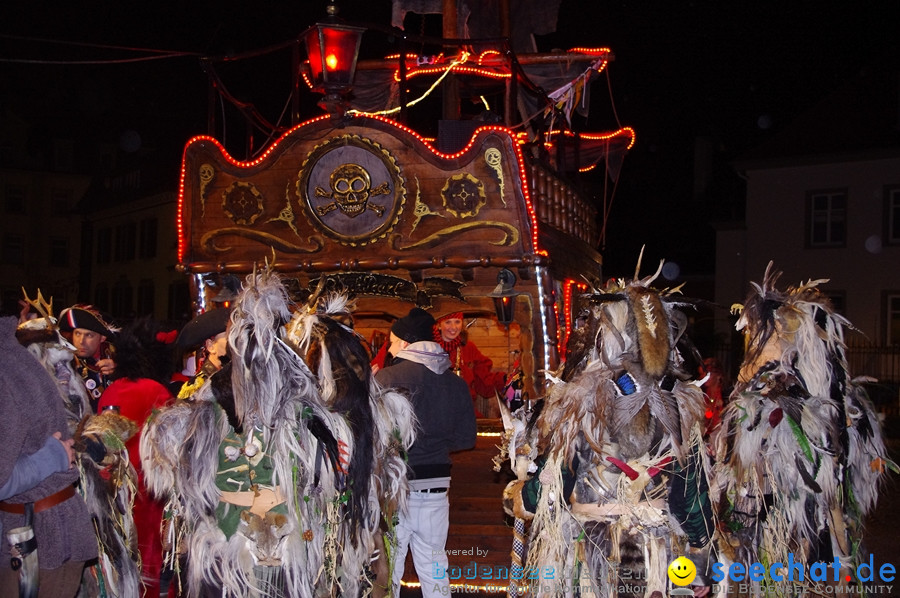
[(731, 71)]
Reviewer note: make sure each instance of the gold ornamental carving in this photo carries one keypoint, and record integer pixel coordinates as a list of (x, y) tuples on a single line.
[(351, 190), (421, 208), (463, 195), (213, 241), (494, 159), (507, 235), (242, 202), (207, 174)]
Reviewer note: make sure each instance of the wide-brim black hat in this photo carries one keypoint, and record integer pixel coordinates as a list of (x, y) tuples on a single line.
[(86, 317), (205, 326)]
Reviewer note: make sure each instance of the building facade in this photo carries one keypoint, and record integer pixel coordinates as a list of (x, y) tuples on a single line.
[(130, 259), (40, 235), (823, 202)]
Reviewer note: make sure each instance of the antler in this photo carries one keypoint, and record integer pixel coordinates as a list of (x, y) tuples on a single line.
[(312, 303), (637, 268), (44, 308)]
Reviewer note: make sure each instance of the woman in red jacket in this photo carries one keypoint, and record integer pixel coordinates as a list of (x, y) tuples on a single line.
[(135, 394), (466, 360)]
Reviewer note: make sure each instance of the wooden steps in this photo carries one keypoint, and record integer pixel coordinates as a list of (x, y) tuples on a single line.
[(480, 537)]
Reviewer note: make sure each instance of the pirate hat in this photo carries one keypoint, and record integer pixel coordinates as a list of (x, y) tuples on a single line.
[(453, 315), (86, 317), (205, 326)]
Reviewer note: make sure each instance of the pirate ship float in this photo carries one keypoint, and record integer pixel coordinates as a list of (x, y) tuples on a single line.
[(499, 216), (491, 215)]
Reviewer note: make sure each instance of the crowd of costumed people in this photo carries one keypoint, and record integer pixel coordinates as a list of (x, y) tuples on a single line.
[(263, 450)]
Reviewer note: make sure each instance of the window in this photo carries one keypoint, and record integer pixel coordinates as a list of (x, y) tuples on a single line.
[(827, 218), (63, 154), (893, 319), (101, 297), (145, 297), (126, 235), (147, 238), (179, 302), (60, 201), (104, 245), (13, 250), (120, 299), (14, 200), (59, 252), (127, 181), (892, 215)]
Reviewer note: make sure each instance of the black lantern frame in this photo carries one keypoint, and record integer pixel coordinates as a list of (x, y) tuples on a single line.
[(504, 296), (333, 49)]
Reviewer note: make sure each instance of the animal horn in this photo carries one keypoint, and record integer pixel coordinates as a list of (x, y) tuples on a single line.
[(313, 301), (647, 281), (40, 304), (637, 269)]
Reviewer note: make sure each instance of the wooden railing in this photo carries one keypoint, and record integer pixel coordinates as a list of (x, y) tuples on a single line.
[(560, 206)]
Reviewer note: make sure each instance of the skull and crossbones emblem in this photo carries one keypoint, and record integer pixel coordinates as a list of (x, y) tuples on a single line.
[(351, 190)]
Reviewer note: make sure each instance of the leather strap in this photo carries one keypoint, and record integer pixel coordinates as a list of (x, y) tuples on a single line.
[(40, 505)]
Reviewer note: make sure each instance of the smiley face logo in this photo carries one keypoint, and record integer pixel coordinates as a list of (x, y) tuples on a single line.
[(682, 571)]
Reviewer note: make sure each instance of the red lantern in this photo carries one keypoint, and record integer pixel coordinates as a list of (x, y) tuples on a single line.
[(333, 48)]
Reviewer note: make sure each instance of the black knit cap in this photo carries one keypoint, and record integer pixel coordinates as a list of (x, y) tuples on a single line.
[(207, 325), (414, 326)]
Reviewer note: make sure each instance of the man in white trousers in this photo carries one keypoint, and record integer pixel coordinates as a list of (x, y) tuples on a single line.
[(443, 407)]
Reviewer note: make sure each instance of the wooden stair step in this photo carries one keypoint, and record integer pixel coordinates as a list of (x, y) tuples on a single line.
[(493, 492), (477, 510), (480, 535)]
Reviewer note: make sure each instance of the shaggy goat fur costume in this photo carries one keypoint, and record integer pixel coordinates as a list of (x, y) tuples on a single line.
[(619, 488), (306, 407), (800, 452)]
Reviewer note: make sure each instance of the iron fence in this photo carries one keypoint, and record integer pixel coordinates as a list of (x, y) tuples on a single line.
[(878, 361), (881, 363)]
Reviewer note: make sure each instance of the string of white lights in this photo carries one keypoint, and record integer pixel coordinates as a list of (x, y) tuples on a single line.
[(463, 57)]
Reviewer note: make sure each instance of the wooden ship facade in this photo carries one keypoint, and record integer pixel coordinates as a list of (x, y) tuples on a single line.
[(401, 219)]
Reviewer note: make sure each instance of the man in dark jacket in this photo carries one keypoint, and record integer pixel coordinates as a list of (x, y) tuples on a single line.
[(30, 411), (446, 418)]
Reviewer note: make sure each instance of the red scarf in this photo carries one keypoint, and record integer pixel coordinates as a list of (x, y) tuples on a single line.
[(449, 346)]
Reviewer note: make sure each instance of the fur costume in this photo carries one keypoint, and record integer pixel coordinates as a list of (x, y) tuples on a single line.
[(107, 481), (800, 452), (296, 419), (136, 391), (618, 486)]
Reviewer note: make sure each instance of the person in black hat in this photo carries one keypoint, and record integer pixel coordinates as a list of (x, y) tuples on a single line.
[(209, 333), (440, 399), (94, 352)]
